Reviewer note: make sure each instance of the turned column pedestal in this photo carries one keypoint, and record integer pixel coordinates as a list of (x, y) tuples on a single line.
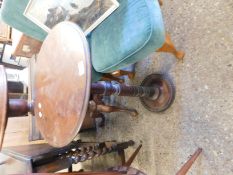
[(63, 87)]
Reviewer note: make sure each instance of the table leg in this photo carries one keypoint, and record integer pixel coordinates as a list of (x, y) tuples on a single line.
[(156, 91), (18, 107)]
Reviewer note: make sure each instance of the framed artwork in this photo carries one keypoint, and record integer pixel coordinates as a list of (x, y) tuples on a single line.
[(5, 33), (88, 14)]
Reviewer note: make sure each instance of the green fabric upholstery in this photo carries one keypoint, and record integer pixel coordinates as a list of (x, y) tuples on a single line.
[(95, 76), (131, 33), (12, 14), (128, 35)]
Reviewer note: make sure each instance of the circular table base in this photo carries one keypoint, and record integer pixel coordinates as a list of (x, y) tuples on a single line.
[(167, 93)]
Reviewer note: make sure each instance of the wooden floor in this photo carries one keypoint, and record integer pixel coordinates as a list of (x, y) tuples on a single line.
[(17, 132)]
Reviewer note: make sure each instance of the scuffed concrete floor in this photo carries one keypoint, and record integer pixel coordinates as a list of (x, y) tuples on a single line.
[(202, 114)]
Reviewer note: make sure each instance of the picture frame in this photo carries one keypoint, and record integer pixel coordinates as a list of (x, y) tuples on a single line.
[(88, 14)]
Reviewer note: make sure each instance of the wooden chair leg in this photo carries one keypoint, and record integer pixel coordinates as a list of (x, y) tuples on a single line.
[(70, 169), (189, 163), (169, 47), (97, 108), (133, 156), (109, 77), (160, 2), (120, 73), (100, 116), (109, 109), (121, 153)]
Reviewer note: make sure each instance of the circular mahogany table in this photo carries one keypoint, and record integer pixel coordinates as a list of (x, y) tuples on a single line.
[(63, 86)]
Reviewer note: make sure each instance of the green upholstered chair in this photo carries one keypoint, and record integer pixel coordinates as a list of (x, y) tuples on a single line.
[(12, 13), (130, 34)]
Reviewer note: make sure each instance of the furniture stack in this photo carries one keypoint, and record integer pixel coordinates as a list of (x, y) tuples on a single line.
[(75, 71)]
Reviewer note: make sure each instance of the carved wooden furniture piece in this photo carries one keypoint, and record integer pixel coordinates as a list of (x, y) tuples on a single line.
[(63, 86), (68, 69), (42, 158), (123, 169)]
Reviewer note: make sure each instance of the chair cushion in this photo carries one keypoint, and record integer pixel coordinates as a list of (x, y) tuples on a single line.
[(12, 13), (95, 76), (128, 35)]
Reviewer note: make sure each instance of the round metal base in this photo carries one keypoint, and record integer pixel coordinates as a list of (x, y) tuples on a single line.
[(166, 96)]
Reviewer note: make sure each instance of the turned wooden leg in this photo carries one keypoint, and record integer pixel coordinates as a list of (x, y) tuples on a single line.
[(101, 116), (121, 153), (102, 108), (120, 73), (169, 47), (156, 92), (185, 168), (133, 156), (110, 109), (160, 2)]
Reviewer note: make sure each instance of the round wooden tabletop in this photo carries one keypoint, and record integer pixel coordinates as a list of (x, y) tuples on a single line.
[(62, 84), (3, 103)]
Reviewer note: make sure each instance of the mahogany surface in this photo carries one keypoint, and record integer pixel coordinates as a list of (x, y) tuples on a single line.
[(62, 84), (3, 103)]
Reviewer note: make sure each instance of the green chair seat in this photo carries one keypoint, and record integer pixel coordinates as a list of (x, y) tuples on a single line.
[(12, 13), (130, 34), (127, 36)]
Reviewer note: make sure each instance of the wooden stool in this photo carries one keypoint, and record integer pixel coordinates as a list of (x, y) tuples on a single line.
[(42, 158)]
